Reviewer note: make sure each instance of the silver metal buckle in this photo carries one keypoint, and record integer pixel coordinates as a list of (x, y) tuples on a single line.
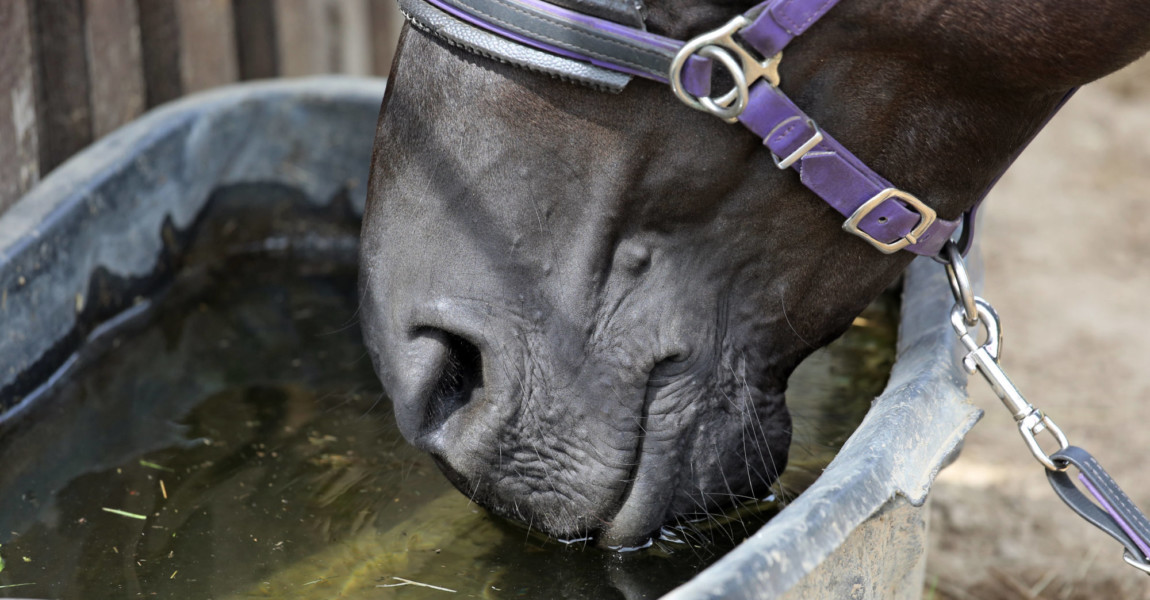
[(802, 151), (720, 45), (926, 214)]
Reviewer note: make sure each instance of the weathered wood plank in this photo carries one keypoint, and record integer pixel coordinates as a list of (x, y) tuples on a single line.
[(19, 148), (207, 44), (352, 30), (386, 21), (160, 50), (63, 117), (300, 37), (256, 38), (188, 46), (115, 67), (323, 36)]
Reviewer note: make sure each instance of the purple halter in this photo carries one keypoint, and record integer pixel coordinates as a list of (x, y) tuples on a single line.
[(888, 218)]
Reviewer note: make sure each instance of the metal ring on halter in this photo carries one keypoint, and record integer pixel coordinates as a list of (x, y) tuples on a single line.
[(749, 69), (729, 113), (960, 283)]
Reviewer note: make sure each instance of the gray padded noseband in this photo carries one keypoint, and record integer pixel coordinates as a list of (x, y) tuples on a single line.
[(455, 32)]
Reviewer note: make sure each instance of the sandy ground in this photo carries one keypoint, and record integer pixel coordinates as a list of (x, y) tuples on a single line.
[(1066, 241)]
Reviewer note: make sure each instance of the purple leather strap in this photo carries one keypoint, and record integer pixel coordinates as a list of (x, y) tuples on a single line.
[(828, 169), (834, 174), (775, 24)]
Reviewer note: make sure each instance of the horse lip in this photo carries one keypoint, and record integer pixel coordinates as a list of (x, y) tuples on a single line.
[(641, 513), (644, 505)]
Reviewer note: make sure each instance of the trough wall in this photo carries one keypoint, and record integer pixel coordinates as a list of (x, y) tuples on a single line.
[(71, 71)]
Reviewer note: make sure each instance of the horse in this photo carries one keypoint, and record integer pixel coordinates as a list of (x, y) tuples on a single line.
[(586, 306)]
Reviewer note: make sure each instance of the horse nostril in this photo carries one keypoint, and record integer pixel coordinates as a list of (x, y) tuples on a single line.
[(460, 375)]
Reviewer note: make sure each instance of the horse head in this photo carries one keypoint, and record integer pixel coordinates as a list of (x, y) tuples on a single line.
[(586, 306)]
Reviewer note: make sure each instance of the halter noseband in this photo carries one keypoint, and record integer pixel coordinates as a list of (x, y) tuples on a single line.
[(604, 54)]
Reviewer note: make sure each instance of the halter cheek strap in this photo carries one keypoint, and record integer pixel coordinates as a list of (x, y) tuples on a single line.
[(775, 24), (888, 218)]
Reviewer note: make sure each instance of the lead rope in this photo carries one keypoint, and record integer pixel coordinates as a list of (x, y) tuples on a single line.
[(1112, 510)]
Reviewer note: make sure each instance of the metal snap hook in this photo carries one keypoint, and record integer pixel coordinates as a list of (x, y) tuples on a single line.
[(988, 317), (984, 359)]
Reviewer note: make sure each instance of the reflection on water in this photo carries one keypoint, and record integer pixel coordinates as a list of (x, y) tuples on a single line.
[(238, 427)]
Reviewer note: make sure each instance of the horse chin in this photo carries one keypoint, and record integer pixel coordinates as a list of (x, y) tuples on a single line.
[(732, 452), (695, 452)]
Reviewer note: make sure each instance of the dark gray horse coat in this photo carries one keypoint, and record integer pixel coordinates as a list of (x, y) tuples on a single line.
[(587, 306)]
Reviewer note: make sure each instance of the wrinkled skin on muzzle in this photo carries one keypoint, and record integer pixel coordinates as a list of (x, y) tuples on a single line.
[(586, 306)]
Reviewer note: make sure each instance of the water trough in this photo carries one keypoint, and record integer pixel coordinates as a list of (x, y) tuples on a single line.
[(94, 237)]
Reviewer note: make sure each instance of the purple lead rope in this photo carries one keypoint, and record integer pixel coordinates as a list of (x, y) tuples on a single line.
[(1114, 514), (1111, 510)]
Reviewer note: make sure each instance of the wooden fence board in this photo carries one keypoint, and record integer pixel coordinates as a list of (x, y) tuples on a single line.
[(160, 46), (352, 31), (74, 70), (115, 67), (19, 150), (323, 36), (207, 44), (386, 21), (62, 114), (188, 46), (300, 37), (256, 38)]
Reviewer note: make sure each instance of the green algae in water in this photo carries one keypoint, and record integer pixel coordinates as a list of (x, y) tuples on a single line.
[(240, 415)]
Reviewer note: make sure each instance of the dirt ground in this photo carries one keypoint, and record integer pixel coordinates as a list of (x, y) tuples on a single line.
[(1066, 241)]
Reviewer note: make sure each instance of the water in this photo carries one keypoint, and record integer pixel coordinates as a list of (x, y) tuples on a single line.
[(237, 424)]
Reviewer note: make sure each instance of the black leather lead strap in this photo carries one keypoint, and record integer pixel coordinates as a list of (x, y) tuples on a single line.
[(1117, 515)]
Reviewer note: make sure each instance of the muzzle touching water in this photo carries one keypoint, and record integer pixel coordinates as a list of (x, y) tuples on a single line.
[(610, 442)]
